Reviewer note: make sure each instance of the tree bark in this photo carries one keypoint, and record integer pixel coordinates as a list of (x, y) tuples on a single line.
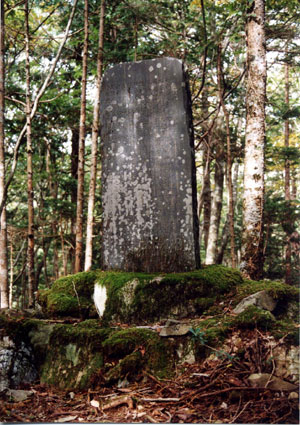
[(82, 125), (229, 160), (4, 290), (216, 208), (226, 230), (253, 198), (30, 231), (95, 134), (205, 201), (287, 177)]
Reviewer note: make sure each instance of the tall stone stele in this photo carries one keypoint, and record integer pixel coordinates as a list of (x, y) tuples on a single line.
[(149, 196)]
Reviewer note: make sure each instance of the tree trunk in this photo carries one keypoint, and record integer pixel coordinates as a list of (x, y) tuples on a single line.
[(253, 198), (205, 199), (229, 160), (63, 250), (80, 187), (4, 297), (216, 209), (226, 230), (287, 178), (95, 132), (30, 234), (37, 99), (11, 282)]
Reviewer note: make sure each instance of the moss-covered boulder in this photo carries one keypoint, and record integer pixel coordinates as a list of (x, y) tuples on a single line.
[(286, 296), (74, 355), (70, 295), (84, 355), (140, 297)]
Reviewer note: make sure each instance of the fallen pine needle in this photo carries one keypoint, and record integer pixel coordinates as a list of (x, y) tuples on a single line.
[(161, 399)]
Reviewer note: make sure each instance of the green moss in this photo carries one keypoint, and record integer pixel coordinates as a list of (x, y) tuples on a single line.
[(203, 304), (155, 354), (255, 317), (127, 367), (76, 354), (139, 297), (122, 343), (212, 331), (82, 283), (286, 329), (70, 295), (278, 290), (85, 333), (160, 295)]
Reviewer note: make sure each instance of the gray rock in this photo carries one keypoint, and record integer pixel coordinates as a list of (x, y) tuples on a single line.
[(148, 168), (287, 362), (179, 329), (17, 364), (265, 380), (18, 395), (260, 299)]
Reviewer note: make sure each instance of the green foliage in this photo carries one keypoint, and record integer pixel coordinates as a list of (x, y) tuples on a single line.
[(139, 30)]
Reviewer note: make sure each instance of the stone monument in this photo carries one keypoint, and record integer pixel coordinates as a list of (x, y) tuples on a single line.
[(149, 196)]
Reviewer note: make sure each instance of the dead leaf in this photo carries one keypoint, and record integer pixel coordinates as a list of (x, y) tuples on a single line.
[(66, 419), (95, 403)]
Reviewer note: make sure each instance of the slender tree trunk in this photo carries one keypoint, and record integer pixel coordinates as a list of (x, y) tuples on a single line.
[(74, 174), (95, 133), (226, 230), (294, 185), (229, 160), (287, 177), (80, 188), (205, 199), (11, 282), (253, 198), (4, 298), (63, 251), (45, 252), (216, 210), (30, 235)]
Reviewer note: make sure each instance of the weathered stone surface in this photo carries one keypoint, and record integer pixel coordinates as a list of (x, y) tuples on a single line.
[(175, 330), (260, 299), (18, 395), (287, 361), (148, 169), (16, 364), (269, 381)]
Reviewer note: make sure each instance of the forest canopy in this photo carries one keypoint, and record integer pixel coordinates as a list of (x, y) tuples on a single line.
[(53, 54)]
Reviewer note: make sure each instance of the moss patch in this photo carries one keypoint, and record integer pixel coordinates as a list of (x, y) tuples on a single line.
[(255, 317), (278, 290), (70, 295), (286, 329), (75, 354), (136, 350), (142, 298)]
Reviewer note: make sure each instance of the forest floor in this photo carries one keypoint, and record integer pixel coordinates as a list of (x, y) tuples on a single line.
[(215, 391)]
